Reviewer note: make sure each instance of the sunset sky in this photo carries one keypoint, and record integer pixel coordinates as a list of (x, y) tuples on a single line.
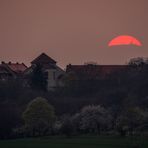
[(72, 31)]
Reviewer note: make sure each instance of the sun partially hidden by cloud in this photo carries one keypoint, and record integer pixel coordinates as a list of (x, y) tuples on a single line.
[(124, 40)]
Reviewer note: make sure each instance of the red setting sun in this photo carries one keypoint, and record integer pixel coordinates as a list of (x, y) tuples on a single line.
[(124, 40)]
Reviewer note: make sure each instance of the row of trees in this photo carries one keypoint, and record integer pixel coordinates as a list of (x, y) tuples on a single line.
[(40, 120)]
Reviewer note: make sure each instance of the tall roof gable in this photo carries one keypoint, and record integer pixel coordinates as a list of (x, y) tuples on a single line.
[(43, 59)]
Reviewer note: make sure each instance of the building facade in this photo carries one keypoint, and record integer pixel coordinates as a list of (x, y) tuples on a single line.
[(54, 75), (93, 71), (52, 72), (11, 70)]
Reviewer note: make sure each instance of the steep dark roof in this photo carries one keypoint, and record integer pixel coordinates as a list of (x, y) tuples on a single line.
[(43, 59), (93, 71), (14, 67)]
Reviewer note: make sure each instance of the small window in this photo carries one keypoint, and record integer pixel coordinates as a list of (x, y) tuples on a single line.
[(54, 75), (46, 75)]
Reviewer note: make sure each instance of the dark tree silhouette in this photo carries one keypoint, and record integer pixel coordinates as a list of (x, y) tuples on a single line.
[(38, 79)]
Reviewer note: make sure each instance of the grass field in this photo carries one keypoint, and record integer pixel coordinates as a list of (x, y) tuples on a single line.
[(76, 142)]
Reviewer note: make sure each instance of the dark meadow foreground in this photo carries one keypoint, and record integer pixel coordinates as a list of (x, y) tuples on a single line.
[(79, 142)]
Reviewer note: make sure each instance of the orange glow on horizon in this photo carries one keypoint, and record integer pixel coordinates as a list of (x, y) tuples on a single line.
[(124, 40)]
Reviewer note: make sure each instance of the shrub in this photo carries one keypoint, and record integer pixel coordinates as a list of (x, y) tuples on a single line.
[(39, 117)]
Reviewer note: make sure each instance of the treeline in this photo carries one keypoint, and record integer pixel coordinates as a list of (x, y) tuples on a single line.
[(115, 105)]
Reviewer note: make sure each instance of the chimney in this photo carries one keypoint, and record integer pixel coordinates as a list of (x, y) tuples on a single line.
[(68, 67)]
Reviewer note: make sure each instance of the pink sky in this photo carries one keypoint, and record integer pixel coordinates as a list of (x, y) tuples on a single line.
[(72, 31)]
